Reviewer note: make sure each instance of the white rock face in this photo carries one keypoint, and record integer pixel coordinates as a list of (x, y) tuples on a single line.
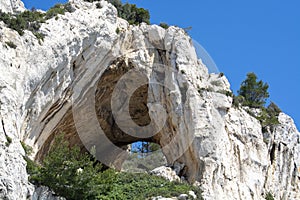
[(220, 147), (43, 193), (12, 6), (284, 152), (13, 176), (166, 172)]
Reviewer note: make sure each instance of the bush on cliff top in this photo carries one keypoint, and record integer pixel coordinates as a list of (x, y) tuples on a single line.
[(31, 20), (129, 12)]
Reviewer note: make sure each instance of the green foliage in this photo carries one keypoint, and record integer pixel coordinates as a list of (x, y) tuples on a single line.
[(143, 186), (39, 36), (255, 92), (117, 30), (55, 10), (269, 116), (31, 20), (164, 25), (28, 150), (237, 101), (144, 157), (147, 147), (27, 20), (129, 12), (72, 174), (133, 14), (269, 196), (14, 22), (33, 169), (76, 175), (11, 44), (8, 140)]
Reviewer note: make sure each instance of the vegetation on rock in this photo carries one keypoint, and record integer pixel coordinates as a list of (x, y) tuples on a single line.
[(129, 12), (269, 116), (269, 196), (144, 157), (31, 20), (164, 25), (76, 175), (254, 94), (11, 44)]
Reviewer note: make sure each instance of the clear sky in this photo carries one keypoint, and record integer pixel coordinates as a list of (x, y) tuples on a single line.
[(260, 36)]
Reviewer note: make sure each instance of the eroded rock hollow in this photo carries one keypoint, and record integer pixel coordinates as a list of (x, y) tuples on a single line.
[(91, 71)]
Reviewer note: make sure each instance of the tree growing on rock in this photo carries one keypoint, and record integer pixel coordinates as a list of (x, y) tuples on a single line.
[(255, 92)]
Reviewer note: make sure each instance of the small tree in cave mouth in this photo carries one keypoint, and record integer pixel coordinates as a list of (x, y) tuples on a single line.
[(76, 175), (144, 157)]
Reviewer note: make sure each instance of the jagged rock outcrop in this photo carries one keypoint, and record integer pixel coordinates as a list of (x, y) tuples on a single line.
[(12, 6), (77, 80), (166, 172), (44, 193)]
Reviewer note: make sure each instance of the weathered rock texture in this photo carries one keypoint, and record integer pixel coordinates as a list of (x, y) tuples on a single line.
[(12, 6), (82, 55), (44, 193)]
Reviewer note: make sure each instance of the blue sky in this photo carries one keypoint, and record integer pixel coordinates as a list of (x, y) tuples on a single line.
[(241, 36)]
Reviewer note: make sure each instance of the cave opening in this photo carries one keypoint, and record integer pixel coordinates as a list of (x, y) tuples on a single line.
[(137, 160), (143, 157)]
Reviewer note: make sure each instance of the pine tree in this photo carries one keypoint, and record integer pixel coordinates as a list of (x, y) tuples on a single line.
[(254, 92)]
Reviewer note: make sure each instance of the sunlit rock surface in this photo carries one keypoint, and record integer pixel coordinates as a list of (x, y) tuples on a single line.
[(46, 87)]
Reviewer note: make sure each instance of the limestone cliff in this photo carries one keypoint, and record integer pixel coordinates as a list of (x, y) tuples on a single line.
[(81, 78), (12, 6)]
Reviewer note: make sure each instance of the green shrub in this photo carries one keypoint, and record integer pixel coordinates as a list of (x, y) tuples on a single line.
[(237, 101), (28, 150), (133, 14), (255, 92), (117, 30), (269, 116), (164, 25), (269, 196), (8, 140), (129, 12), (76, 175), (33, 169), (55, 10), (72, 174), (31, 20), (11, 44), (144, 157), (39, 36), (27, 20), (143, 186)]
